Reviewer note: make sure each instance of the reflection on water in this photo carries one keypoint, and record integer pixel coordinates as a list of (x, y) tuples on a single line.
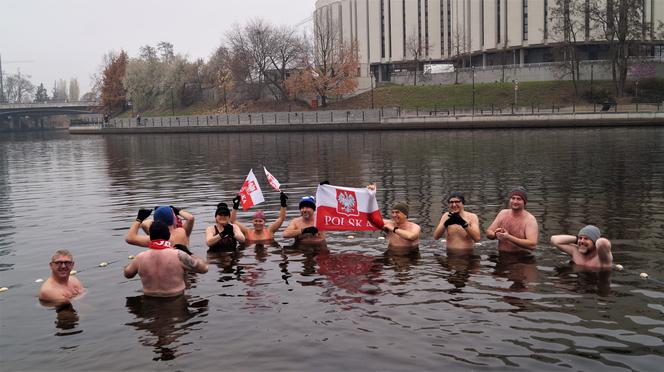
[(351, 303), (165, 320)]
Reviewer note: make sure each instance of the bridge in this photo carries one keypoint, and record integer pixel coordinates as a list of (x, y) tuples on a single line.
[(48, 108)]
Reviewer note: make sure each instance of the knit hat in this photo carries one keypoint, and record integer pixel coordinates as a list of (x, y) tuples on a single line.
[(165, 214), (520, 191), (308, 201), (259, 215), (401, 207), (222, 210), (458, 195), (159, 230), (592, 232)]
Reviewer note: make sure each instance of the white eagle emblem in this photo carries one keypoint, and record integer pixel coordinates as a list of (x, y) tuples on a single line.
[(347, 203)]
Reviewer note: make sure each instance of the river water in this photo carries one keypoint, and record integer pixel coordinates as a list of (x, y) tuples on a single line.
[(351, 307)]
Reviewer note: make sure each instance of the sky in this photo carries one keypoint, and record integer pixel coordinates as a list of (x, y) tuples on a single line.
[(63, 39)]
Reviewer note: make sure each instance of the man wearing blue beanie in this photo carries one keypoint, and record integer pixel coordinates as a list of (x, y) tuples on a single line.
[(303, 228), (587, 248), (169, 216)]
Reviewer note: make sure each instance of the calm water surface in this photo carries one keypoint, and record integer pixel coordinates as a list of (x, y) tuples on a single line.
[(352, 306)]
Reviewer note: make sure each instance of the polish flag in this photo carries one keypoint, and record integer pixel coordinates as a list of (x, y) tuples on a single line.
[(346, 208), (271, 180), (250, 193)]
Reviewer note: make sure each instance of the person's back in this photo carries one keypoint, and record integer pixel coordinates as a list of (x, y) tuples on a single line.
[(161, 272)]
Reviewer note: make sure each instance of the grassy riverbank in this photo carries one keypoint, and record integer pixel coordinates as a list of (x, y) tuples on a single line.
[(535, 93)]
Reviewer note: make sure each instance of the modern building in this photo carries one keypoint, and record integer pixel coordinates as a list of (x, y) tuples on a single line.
[(477, 33)]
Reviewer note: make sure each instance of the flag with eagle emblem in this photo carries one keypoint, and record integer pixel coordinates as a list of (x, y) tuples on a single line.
[(347, 208)]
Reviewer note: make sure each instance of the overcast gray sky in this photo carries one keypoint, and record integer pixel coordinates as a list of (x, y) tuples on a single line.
[(68, 38)]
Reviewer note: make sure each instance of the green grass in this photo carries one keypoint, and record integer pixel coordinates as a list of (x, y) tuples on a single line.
[(541, 94)]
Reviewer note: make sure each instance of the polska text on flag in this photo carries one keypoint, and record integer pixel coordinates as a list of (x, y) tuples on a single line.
[(250, 193), (347, 208), (271, 180)]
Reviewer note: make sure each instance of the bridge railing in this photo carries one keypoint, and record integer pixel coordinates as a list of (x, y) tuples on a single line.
[(49, 105)]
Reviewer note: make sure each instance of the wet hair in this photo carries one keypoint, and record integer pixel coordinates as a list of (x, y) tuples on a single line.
[(458, 195), (222, 210), (159, 230)]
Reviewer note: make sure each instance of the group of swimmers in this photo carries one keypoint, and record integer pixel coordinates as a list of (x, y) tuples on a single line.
[(162, 266)]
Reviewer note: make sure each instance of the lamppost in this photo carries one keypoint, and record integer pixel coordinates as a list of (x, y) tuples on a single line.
[(516, 90), (371, 77), (473, 71)]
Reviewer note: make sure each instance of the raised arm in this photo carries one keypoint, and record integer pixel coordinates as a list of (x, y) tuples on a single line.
[(283, 199), (237, 223), (132, 236), (566, 243), (189, 220), (604, 251)]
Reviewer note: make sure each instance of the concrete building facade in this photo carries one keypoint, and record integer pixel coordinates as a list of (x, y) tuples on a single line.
[(477, 33)]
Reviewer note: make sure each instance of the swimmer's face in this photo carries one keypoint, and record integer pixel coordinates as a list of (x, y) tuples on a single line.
[(585, 244), (61, 266), (398, 216), (517, 202), (221, 219), (259, 224), (455, 205), (307, 213)]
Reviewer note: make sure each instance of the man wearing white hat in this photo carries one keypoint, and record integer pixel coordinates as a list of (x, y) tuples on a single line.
[(587, 249)]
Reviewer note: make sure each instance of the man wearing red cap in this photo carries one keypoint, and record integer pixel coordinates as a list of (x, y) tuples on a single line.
[(515, 228)]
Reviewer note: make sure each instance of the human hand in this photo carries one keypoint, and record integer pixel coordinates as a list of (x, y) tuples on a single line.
[(236, 202), (175, 210), (283, 198), (143, 214), (310, 230), (228, 230)]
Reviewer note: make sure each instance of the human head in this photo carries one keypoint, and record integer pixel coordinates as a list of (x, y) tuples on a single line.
[(520, 191), (591, 232), (456, 195), (401, 207), (159, 231), (455, 202), (61, 264), (222, 214), (259, 220), (165, 215), (308, 201)]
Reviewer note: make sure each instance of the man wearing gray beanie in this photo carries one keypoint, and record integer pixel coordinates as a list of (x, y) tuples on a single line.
[(587, 248)]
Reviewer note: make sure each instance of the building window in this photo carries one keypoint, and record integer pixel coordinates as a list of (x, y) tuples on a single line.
[(426, 26), (382, 28), (498, 21), (587, 19), (419, 27), (449, 28), (389, 25), (403, 23), (482, 24), (546, 19), (525, 20), (442, 28)]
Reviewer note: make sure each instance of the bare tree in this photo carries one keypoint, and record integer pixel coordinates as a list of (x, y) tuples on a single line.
[(622, 26), (253, 42), (285, 50), (462, 51), (565, 20), (18, 88), (415, 48)]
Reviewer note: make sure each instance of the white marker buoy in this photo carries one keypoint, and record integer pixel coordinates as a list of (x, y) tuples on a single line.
[(73, 272), (643, 275), (619, 267), (131, 257), (351, 237), (39, 280), (3, 289), (103, 264), (381, 238)]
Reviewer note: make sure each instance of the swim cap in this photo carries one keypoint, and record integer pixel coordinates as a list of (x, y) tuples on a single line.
[(592, 232), (165, 214), (259, 215), (222, 210), (458, 195), (520, 191), (401, 207), (159, 230), (308, 201)]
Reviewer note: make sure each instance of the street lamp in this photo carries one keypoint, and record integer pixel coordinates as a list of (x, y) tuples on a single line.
[(473, 70), (371, 77)]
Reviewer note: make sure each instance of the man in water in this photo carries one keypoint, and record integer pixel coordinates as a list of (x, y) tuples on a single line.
[(167, 215), (515, 228), (403, 236), (302, 228), (461, 228), (260, 234), (61, 286), (161, 267), (587, 249), (223, 236)]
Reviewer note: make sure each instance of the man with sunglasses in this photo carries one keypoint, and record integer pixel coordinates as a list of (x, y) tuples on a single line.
[(461, 228), (61, 287)]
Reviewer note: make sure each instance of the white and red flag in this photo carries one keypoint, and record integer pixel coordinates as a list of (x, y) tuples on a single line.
[(250, 193), (347, 208), (271, 180)]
